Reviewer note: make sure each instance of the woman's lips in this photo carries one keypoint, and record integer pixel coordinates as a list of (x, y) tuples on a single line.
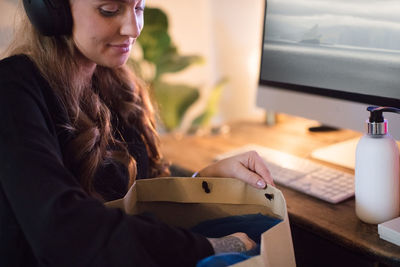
[(121, 48)]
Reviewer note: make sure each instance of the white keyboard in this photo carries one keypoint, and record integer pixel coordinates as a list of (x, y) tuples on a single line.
[(302, 174)]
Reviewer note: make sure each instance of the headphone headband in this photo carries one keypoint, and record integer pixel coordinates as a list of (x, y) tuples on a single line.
[(49, 17)]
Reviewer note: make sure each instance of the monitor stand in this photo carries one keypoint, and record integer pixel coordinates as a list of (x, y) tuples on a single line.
[(342, 153)]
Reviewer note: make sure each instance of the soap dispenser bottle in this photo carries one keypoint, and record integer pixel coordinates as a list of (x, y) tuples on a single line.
[(377, 171)]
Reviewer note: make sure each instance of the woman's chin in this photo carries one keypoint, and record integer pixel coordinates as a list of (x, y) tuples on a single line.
[(114, 62)]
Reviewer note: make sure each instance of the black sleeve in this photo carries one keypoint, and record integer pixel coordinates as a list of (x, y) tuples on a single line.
[(61, 223)]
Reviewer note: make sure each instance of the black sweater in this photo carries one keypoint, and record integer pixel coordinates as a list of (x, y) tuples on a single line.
[(46, 219)]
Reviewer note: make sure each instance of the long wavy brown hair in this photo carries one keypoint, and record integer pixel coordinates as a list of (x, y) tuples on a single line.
[(91, 104)]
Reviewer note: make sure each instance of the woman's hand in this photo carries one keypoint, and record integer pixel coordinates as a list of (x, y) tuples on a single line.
[(237, 242), (248, 167)]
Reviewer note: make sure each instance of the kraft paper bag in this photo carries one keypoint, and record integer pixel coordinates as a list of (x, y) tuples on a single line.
[(185, 202)]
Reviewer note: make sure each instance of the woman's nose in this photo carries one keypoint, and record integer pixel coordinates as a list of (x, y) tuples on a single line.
[(132, 24)]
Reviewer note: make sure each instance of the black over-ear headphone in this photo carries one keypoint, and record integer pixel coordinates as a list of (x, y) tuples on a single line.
[(50, 17)]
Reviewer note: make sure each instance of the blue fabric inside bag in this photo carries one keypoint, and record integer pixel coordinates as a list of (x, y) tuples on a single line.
[(251, 224)]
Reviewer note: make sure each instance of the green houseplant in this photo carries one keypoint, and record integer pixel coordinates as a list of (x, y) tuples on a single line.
[(157, 55)]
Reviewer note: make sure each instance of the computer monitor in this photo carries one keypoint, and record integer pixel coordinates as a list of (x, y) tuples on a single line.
[(328, 60)]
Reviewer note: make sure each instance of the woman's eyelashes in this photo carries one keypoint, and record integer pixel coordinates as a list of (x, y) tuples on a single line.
[(109, 10), (139, 8)]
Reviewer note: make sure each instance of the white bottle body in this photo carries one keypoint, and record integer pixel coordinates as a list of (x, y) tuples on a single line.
[(377, 179)]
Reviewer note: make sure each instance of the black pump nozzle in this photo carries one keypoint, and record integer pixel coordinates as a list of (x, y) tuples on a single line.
[(376, 113)]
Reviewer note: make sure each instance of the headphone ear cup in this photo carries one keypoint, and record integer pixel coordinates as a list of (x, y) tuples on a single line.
[(50, 17)]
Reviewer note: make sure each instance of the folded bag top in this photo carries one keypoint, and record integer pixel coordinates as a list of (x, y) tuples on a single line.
[(185, 202)]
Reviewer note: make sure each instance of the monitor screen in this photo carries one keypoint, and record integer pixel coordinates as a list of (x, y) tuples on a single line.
[(333, 58)]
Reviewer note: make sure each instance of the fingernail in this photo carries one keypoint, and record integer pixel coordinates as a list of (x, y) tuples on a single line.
[(261, 183)]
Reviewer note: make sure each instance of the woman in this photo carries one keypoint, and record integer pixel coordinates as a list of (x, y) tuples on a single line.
[(78, 129)]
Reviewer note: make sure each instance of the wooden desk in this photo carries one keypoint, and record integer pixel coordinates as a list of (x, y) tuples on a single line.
[(323, 234)]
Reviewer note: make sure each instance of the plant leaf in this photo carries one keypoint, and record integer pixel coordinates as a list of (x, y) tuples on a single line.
[(212, 105), (173, 101), (173, 62), (154, 38)]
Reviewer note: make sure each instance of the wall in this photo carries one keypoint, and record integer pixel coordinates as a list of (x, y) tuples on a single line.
[(7, 11), (228, 34)]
